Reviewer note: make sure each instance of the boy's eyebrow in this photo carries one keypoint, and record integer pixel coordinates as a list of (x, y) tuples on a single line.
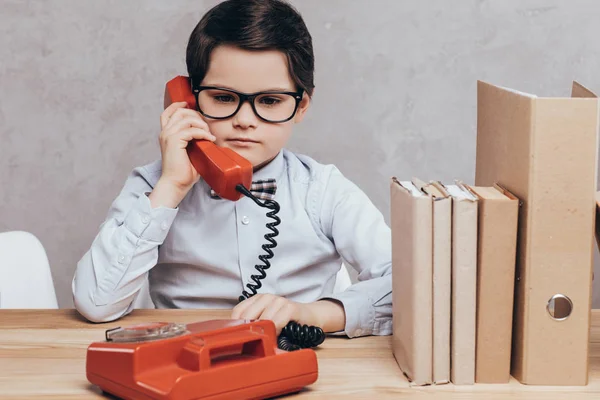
[(274, 89)]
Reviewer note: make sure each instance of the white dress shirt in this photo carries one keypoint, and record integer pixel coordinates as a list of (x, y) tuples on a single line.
[(202, 253)]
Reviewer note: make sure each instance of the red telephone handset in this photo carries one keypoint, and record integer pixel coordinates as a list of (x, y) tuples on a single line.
[(222, 168)]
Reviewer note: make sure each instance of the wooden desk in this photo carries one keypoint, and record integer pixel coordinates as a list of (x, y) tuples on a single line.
[(42, 354)]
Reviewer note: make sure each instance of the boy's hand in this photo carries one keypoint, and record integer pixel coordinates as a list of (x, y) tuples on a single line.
[(326, 314), (179, 125), (278, 309)]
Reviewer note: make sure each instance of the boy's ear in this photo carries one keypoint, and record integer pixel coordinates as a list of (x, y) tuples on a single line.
[(302, 108)]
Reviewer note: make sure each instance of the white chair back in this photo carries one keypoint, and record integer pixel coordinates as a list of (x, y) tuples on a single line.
[(25, 278)]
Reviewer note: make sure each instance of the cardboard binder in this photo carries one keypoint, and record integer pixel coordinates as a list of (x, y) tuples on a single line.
[(442, 267), (496, 252), (412, 273), (421, 235), (544, 150), (464, 284)]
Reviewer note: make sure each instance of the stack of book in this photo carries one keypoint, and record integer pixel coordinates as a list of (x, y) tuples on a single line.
[(494, 279), (454, 251)]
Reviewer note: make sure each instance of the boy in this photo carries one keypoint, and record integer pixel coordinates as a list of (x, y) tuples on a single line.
[(199, 251)]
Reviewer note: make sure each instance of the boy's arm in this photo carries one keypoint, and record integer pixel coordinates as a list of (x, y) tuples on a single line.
[(363, 240), (111, 273)]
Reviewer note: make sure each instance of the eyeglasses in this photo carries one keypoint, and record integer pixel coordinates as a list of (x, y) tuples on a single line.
[(271, 106)]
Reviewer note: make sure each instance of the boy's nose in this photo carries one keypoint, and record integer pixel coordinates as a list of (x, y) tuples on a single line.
[(245, 117)]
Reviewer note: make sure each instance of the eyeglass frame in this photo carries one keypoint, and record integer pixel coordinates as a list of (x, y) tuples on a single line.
[(249, 97)]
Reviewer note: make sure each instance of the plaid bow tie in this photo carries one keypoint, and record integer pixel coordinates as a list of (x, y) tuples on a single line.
[(263, 189)]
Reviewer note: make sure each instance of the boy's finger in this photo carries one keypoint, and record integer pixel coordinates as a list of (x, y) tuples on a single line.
[(169, 111), (271, 311), (241, 307), (177, 115), (283, 316), (183, 113), (255, 309), (195, 133), (174, 126), (174, 107)]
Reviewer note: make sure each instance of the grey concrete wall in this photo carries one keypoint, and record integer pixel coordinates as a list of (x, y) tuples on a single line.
[(82, 85)]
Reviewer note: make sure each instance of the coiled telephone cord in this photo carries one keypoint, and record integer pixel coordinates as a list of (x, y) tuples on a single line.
[(293, 336)]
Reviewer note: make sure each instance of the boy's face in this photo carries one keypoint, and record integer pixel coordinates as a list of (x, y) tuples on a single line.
[(250, 72)]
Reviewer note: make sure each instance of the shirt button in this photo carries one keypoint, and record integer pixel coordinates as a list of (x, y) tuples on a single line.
[(164, 226), (121, 259), (245, 220), (145, 219)]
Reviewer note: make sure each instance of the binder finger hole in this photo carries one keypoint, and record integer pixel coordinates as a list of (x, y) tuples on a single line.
[(559, 307)]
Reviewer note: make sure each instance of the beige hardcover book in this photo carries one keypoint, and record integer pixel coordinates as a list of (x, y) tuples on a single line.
[(464, 284), (496, 257), (544, 150), (442, 284), (412, 264)]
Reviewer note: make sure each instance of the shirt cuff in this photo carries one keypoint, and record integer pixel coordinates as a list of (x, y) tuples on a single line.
[(149, 223), (359, 311)]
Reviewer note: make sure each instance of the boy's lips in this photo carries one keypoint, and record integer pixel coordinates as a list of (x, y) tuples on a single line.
[(242, 140), (241, 143)]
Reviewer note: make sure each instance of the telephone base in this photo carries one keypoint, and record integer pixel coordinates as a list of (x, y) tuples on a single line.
[(217, 359)]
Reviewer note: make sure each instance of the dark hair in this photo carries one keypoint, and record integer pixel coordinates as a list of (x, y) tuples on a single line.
[(254, 25)]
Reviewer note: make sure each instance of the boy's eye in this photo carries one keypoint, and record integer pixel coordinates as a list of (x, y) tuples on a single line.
[(224, 98), (269, 101)]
